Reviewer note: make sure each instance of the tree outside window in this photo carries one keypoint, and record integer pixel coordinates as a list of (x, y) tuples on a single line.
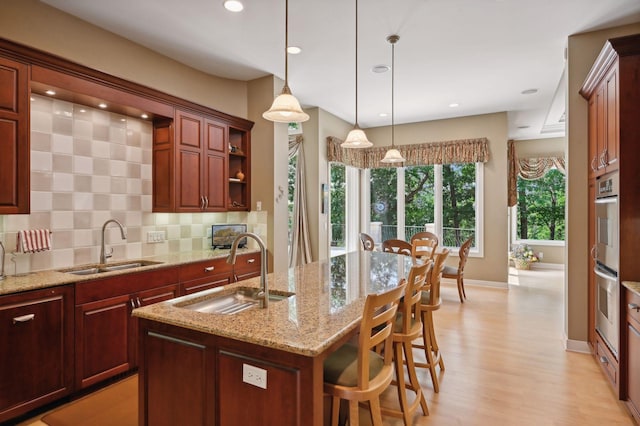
[(540, 208)]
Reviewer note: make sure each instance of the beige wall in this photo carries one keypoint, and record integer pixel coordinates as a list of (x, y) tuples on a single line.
[(37, 25), (582, 50), (493, 265)]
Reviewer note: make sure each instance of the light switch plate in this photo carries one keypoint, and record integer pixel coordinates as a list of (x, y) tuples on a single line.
[(155, 237), (254, 376)]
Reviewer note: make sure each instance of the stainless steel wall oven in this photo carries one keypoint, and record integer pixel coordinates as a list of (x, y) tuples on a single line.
[(606, 254)]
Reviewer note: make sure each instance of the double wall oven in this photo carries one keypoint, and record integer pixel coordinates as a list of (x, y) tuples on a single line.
[(606, 255)]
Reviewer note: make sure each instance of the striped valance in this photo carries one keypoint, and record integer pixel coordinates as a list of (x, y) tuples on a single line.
[(447, 152)]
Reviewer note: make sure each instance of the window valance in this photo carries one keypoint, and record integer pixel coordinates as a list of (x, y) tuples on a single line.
[(528, 168), (447, 152)]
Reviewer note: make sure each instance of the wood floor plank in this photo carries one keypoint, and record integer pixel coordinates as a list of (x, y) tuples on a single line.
[(506, 364)]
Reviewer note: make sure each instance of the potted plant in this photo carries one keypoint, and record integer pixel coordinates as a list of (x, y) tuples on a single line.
[(522, 256)]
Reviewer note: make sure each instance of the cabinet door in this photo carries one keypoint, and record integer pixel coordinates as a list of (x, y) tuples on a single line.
[(37, 349), (633, 353), (601, 127), (216, 166), (178, 380), (14, 137), (275, 407), (612, 121), (593, 138), (189, 185), (102, 340)]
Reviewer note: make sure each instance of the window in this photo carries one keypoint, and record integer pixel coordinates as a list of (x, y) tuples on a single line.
[(539, 214), (337, 194), (440, 198)]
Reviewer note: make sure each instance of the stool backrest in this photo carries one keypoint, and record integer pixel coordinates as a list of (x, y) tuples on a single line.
[(396, 246)]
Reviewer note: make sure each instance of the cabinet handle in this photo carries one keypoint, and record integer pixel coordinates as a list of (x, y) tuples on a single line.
[(250, 260), (604, 360), (139, 303), (24, 318), (209, 268), (634, 306), (201, 202), (133, 303), (206, 202), (594, 252), (594, 160)]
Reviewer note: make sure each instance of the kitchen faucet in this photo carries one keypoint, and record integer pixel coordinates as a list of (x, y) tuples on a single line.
[(264, 287), (2, 262), (103, 255)]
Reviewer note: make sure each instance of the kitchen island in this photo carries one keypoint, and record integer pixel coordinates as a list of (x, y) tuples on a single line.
[(258, 366)]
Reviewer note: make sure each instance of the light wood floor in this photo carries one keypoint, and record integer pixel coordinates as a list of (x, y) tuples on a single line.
[(506, 365)]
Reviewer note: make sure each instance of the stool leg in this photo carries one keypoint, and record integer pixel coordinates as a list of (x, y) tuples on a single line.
[(401, 386), (413, 378), (376, 414), (434, 344), (427, 326), (354, 415)]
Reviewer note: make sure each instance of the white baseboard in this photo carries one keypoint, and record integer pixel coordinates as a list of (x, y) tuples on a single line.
[(554, 266), (576, 346)]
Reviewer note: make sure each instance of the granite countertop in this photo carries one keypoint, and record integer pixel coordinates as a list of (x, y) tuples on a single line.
[(634, 286), (52, 278), (328, 303)]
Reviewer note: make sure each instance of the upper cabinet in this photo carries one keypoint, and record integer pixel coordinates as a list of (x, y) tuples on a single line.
[(201, 164), (604, 123), (14, 137)]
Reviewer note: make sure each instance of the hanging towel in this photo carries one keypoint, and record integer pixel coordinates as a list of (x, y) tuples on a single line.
[(33, 240)]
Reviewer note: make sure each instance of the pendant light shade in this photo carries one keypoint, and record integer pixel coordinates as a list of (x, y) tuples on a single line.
[(392, 155), (356, 137), (285, 107)]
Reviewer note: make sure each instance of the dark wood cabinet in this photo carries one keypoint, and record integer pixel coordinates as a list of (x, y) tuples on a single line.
[(106, 333), (612, 89), (203, 275), (247, 266), (14, 137), (632, 352), (194, 169), (37, 349)]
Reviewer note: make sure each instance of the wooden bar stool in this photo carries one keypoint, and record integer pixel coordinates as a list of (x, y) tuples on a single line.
[(367, 242), (430, 302), (356, 372), (396, 246), (408, 327)]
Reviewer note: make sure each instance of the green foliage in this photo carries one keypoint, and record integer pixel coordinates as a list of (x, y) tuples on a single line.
[(541, 205), (419, 202)]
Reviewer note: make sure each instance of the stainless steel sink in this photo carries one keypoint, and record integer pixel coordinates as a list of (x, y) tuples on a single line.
[(102, 268), (239, 300)]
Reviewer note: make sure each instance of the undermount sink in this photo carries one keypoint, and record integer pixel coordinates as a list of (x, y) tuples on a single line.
[(102, 268), (229, 303)]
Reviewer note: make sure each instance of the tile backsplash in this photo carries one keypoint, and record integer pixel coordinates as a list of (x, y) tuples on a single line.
[(89, 166)]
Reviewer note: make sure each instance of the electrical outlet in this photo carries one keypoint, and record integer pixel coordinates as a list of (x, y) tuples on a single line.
[(254, 376), (540, 255), (155, 237)]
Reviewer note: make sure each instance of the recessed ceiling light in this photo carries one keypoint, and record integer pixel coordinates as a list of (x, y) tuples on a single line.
[(383, 114), (294, 50), (145, 116), (32, 99), (233, 5), (454, 105), (379, 69), (529, 91), (102, 105), (50, 92)]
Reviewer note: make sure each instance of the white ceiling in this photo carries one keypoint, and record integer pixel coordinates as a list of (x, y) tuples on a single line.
[(480, 54)]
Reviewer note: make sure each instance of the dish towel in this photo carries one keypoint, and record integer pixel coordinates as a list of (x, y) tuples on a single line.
[(33, 240)]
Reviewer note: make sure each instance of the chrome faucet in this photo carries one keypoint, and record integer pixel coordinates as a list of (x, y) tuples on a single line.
[(264, 287), (2, 262), (103, 255)]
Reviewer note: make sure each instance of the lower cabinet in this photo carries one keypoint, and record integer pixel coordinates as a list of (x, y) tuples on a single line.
[(189, 377), (247, 266), (633, 353), (203, 275), (105, 332), (36, 360)]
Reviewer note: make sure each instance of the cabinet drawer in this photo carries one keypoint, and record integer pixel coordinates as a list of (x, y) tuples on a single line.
[(632, 306), (204, 269), (195, 286), (607, 362), (247, 266)]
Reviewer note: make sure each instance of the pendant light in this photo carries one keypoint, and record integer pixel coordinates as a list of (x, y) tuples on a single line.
[(392, 155), (356, 137), (285, 107)]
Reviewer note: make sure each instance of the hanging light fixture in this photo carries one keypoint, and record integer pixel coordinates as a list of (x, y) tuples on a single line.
[(356, 137), (392, 155), (285, 107)]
